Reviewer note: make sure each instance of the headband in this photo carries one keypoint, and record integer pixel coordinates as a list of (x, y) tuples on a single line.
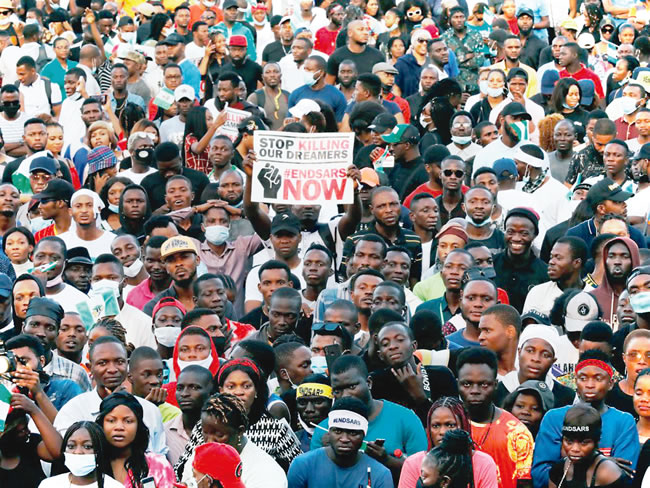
[(595, 362), (314, 389), (581, 431), (168, 302), (348, 420), (238, 362), (98, 204)]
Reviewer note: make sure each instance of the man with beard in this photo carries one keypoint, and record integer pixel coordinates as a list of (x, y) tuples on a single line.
[(554, 63), (176, 53), (433, 157), (496, 431), (479, 203), (512, 47), (12, 121), (231, 187), (385, 207), (621, 256), (271, 97), (127, 249), (428, 77), (120, 94), (589, 161), (9, 205), (357, 50), (532, 45), (284, 311), (181, 259), (72, 338), (512, 121), (228, 94), (347, 77), (291, 65), (231, 27), (517, 268), (386, 73), (140, 145), (450, 202), (78, 268), (159, 279), (572, 67), (467, 45), (242, 64), (42, 321), (91, 111), (314, 87), (403, 142), (564, 135), (54, 204), (278, 49), (109, 369), (325, 37), (220, 156)]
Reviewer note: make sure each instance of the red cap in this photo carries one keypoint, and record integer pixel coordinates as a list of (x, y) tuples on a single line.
[(168, 302), (259, 6), (238, 41), (221, 462)]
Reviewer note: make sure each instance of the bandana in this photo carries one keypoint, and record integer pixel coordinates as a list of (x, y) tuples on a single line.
[(238, 362), (533, 185), (348, 420), (594, 362), (314, 389), (98, 204), (581, 432)]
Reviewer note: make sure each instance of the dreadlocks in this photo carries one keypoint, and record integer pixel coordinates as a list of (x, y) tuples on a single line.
[(228, 409)]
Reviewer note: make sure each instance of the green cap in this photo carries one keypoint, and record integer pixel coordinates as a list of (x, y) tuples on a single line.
[(402, 133)]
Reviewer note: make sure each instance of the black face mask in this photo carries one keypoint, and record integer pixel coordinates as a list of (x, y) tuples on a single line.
[(11, 109), (144, 155), (219, 344)]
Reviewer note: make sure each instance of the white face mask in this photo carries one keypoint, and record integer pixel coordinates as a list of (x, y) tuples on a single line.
[(101, 286), (483, 86), (495, 92), (57, 280), (319, 364), (127, 36), (628, 104), (425, 120), (461, 140), (167, 31), (80, 464), (208, 4), (217, 234), (203, 362), (133, 269), (167, 336)]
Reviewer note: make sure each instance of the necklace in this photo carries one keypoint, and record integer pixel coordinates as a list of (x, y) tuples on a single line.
[(487, 433)]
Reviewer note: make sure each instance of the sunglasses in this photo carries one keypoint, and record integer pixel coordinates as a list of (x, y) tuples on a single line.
[(413, 13), (5, 12), (328, 326), (607, 30), (456, 172)]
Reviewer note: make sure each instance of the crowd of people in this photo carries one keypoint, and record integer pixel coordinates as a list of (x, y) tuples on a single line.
[(477, 316)]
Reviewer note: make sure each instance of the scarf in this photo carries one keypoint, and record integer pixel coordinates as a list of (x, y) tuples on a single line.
[(532, 185)]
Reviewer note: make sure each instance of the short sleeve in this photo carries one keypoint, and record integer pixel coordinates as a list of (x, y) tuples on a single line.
[(56, 94), (520, 448)]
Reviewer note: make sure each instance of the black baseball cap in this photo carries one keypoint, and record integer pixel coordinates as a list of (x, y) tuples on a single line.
[(285, 221), (230, 4), (643, 153), (172, 39), (382, 123), (526, 11), (56, 189), (78, 255), (607, 189), (516, 109)]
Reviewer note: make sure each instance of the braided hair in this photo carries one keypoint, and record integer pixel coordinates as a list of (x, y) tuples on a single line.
[(227, 409), (453, 458), (98, 440), (456, 407)]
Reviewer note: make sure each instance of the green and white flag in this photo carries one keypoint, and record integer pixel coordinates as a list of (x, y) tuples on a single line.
[(20, 177), (102, 303), (5, 401)]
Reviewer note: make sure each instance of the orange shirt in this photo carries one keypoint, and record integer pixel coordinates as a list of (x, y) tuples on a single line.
[(197, 10)]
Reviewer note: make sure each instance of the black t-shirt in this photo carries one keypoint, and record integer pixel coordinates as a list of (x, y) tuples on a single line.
[(495, 243), (28, 473), (274, 52), (364, 61), (400, 175), (250, 71), (618, 399)]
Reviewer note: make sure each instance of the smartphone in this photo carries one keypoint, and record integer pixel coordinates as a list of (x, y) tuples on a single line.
[(332, 352), (380, 442), (149, 482), (104, 99)]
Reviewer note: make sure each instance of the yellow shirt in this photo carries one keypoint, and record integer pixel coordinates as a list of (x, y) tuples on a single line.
[(533, 87)]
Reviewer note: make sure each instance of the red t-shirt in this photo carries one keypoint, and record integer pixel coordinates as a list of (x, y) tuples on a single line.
[(326, 40), (585, 74), (46, 232), (424, 188)]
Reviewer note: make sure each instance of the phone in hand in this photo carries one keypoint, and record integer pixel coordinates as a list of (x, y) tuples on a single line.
[(104, 99), (149, 482), (332, 352)]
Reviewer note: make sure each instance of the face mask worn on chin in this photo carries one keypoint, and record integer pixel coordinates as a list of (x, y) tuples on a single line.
[(167, 336), (80, 464), (114, 208), (57, 280), (133, 269), (483, 87), (101, 286), (628, 105), (569, 107), (461, 140), (217, 234), (640, 302), (495, 92), (319, 364), (203, 362), (471, 221)]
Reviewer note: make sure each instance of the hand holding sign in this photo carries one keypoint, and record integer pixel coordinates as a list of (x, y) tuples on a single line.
[(271, 180)]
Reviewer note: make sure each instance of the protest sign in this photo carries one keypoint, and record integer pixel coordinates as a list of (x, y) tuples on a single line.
[(233, 118), (302, 169)]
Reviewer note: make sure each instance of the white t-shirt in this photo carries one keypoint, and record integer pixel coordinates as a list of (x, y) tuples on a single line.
[(639, 204), (490, 153), (69, 297), (70, 118), (137, 325), (172, 130), (136, 177), (35, 97), (194, 52), (567, 357), (62, 480), (101, 245)]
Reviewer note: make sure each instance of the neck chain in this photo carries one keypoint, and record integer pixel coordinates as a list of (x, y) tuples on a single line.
[(487, 433)]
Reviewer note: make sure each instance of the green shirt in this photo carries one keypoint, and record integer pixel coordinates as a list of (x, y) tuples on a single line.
[(55, 73)]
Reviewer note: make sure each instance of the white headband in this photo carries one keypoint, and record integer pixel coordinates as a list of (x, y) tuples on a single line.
[(348, 420)]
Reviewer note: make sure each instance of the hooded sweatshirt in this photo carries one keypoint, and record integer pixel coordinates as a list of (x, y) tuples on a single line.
[(605, 295), (214, 366)]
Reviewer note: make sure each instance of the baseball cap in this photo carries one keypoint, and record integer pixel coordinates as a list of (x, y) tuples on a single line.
[(100, 158), (221, 462), (43, 163), (134, 56), (526, 11), (172, 39), (184, 91), (586, 40), (251, 124), (549, 79), (536, 316), (541, 390), (5, 285), (516, 109), (505, 168), (606, 189), (230, 4), (303, 107), (177, 244), (607, 20), (369, 177), (8, 4), (527, 213), (383, 122), (580, 310), (643, 153), (237, 41), (145, 9), (285, 221), (56, 190), (78, 255), (569, 24), (284, 19), (384, 67), (587, 88), (402, 133)]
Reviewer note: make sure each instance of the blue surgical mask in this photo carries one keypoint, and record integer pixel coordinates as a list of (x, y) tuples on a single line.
[(217, 234), (628, 105), (308, 78), (640, 302), (485, 223), (319, 364), (461, 140), (114, 208), (495, 92)]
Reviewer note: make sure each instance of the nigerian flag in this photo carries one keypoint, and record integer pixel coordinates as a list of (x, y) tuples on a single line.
[(20, 177), (5, 400), (102, 303)]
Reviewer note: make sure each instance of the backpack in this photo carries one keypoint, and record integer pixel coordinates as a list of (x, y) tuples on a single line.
[(48, 88), (42, 58)]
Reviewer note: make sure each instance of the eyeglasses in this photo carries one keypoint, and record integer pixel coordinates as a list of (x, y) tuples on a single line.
[(462, 125), (414, 13), (607, 30), (456, 172), (328, 326), (421, 40), (635, 356)]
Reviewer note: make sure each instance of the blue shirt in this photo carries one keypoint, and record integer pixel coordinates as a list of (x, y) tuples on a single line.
[(540, 9), (459, 339), (61, 392), (408, 78), (398, 425), (55, 72), (316, 470), (619, 438), (191, 75), (587, 232), (130, 98), (328, 94)]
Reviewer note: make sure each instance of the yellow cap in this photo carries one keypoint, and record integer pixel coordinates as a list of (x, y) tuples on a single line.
[(177, 244)]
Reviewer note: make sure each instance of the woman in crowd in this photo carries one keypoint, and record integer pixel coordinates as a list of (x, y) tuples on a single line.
[(636, 356), (496, 84), (565, 100), (448, 414), (18, 244), (111, 194), (161, 27), (642, 404), (450, 463), (55, 146), (101, 133), (621, 75), (216, 55), (146, 125), (200, 127), (25, 288), (242, 378), (121, 418), (224, 420), (396, 48), (546, 127), (85, 456), (529, 404)]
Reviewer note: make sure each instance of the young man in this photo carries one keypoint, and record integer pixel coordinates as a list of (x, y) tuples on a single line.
[(619, 437), (54, 204), (292, 365), (479, 206), (499, 330), (158, 280), (272, 275), (313, 402), (476, 296), (284, 312), (316, 270), (72, 338), (494, 431), (126, 248)]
